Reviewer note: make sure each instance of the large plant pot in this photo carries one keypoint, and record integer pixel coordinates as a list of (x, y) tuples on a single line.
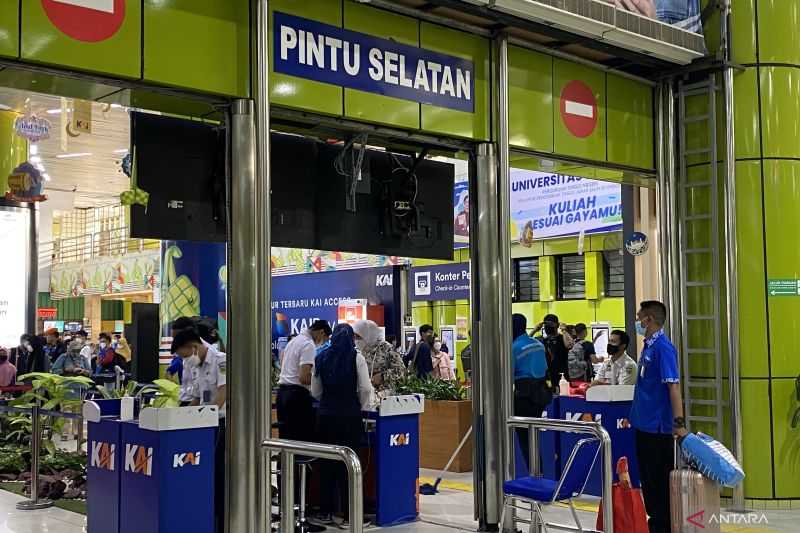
[(442, 426)]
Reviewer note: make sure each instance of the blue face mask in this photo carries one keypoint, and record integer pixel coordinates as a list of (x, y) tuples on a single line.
[(640, 329)]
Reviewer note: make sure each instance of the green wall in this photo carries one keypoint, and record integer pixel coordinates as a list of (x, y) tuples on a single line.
[(13, 148), (201, 45), (67, 308), (767, 128)]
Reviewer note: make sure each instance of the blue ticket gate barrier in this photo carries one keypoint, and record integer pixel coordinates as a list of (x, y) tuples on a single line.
[(155, 474)]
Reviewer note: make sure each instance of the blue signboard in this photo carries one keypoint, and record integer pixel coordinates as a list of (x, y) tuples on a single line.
[(309, 49), (440, 282), (299, 300)]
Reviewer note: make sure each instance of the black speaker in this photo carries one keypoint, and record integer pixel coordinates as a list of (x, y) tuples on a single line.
[(144, 338)]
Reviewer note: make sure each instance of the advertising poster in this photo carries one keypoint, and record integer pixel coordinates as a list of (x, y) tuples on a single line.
[(462, 328), (439, 282), (461, 214), (684, 14), (299, 300), (14, 237), (545, 205), (194, 280)]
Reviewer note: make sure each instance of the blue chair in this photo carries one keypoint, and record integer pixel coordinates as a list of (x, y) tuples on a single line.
[(538, 492)]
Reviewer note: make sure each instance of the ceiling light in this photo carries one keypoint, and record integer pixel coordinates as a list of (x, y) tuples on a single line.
[(35, 159), (76, 154), (46, 176), (54, 111), (33, 149), (121, 151), (4, 107)]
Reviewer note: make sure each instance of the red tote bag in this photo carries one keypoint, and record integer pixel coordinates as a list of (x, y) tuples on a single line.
[(629, 513)]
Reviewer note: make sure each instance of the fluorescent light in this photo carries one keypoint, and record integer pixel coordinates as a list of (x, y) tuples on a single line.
[(33, 149), (76, 154), (54, 111), (46, 176), (121, 151), (35, 159)]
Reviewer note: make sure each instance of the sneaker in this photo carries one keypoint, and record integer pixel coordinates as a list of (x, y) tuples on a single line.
[(345, 524), (325, 519)]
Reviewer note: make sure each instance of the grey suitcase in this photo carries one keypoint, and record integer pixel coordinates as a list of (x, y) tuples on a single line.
[(694, 501)]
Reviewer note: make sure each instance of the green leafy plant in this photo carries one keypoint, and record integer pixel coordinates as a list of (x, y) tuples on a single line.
[(432, 388), (61, 460), (19, 428), (167, 393), (116, 394), (13, 460)]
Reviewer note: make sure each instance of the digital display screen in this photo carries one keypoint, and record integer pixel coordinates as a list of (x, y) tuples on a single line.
[(14, 237)]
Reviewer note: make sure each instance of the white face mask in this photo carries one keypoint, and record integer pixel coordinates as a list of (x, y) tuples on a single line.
[(194, 360), (361, 344), (29, 348), (103, 345), (437, 346)]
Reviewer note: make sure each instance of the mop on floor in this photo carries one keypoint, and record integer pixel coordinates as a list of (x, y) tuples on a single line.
[(429, 490)]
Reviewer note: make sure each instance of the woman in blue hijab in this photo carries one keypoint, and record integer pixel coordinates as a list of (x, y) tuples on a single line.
[(343, 387)]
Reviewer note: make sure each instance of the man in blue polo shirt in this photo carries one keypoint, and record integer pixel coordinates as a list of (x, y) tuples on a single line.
[(657, 412)]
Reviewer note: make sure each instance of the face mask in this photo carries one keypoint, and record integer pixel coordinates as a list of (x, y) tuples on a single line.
[(437, 346), (612, 349), (640, 329), (360, 344), (103, 345), (194, 360), (550, 330), (29, 348), (3, 358)]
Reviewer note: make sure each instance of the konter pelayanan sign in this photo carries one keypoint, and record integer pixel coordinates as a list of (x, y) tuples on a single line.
[(309, 49)]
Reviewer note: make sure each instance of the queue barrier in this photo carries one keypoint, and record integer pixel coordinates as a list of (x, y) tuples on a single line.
[(535, 425), (288, 449)]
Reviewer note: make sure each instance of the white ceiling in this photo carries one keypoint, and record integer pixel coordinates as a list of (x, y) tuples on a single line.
[(95, 180)]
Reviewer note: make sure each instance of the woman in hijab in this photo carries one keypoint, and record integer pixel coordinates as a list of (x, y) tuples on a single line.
[(342, 385), (385, 365), (531, 393)]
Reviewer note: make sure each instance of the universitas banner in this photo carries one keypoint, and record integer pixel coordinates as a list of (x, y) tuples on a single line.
[(545, 205)]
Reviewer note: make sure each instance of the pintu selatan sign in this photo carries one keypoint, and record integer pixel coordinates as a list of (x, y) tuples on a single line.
[(321, 52)]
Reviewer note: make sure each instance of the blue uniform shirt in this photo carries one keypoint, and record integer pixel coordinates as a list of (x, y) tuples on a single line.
[(658, 366), (530, 360)]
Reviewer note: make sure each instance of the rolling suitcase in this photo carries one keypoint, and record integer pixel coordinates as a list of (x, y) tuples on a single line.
[(694, 501)]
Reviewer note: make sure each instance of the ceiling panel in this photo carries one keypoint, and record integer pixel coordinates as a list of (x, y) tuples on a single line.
[(97, 178)]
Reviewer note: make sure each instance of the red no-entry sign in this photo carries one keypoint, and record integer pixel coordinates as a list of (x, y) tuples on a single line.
[(579, 108), (90, 21)]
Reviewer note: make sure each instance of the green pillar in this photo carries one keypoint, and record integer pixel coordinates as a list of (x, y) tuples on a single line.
[(13, 148), (767, 129)]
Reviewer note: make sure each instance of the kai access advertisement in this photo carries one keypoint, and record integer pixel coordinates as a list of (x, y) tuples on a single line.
[(545, 205)]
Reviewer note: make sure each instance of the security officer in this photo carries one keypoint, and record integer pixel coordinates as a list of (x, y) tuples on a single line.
[(206, 366)]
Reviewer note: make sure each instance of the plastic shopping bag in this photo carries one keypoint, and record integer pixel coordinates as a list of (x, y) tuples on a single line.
[(713, 459), (628, 506)]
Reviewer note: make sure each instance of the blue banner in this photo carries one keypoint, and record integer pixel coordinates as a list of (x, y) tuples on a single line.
[(440, 282), (309, 49), (299, 300)]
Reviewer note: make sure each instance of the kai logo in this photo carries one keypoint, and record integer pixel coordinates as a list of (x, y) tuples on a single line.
[(139, 459), (399, 439), (583, 417), (623, 423), (179, 460), (383, 280), (102, 455)]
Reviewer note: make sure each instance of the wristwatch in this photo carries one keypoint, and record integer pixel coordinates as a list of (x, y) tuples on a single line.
[(679, 422)]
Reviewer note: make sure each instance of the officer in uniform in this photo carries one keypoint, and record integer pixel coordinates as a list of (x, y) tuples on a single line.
[(206, 366)]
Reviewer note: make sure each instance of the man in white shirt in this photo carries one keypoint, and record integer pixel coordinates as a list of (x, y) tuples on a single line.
[(294, 404), (207, 370), (620, 369)]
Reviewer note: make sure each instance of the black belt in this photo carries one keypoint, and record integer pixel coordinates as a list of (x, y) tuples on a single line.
[(292, 387)]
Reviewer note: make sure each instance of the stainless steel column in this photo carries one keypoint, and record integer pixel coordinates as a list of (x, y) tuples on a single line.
[(665, 213), (487, 279), (503, 240), (249, 366), (33, 268), (671, 190), (731, 263)]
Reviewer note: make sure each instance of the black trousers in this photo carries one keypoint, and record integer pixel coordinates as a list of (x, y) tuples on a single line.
[(529, 401), (656, 456), (219, 478), (295, 413), (342, 431)]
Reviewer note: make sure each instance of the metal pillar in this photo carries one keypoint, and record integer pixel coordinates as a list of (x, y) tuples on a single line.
[(492, 345), (249, 369), (731, 257), (629, 263), (33, 268)]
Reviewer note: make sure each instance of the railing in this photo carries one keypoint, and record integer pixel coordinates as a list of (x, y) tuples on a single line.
[(568, 426), (107, 243), (288, 449)]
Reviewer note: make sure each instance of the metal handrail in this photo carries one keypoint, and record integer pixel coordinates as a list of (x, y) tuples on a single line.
[(289, 448), (107, 243), (568, 426)]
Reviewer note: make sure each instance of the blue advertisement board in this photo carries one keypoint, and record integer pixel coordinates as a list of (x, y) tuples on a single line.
[(439, 282), (309, 49), (299, 300)]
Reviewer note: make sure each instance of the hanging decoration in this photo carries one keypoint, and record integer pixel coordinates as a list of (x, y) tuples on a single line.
[(32, 128), (637, 243), (25, 184)]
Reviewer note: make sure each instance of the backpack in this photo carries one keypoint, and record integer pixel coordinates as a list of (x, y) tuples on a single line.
[(576, 363)]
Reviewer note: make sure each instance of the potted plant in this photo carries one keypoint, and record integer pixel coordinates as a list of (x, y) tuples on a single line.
[(447, 418)]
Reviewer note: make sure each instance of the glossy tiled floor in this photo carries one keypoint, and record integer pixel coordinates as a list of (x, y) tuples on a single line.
[(450, 511)]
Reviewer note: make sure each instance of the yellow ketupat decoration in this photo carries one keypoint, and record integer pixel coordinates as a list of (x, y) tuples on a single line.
[(179, 295)]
